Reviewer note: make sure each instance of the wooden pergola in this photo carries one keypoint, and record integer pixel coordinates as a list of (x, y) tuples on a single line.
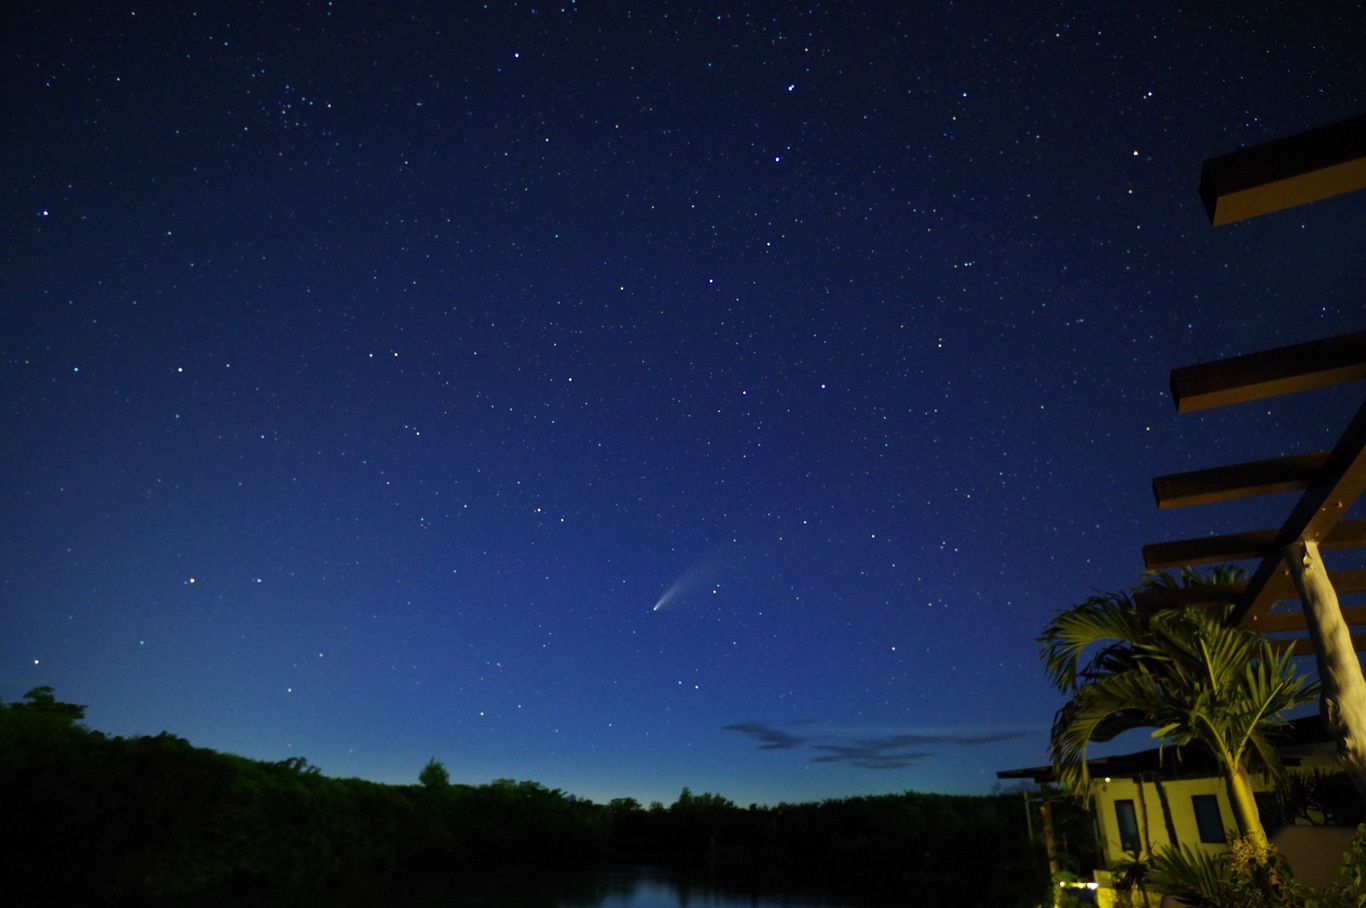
[(1284, 173), (1329, 482), (1281, 174)]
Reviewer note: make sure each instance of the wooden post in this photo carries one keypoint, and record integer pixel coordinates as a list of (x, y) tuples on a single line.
[(1050, 845), (1049, 839), (1343, 701)]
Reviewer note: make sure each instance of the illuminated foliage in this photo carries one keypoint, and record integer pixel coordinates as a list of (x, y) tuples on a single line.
[(1183, 673)]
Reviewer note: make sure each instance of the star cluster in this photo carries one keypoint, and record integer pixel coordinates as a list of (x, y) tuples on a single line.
[(562, 390)]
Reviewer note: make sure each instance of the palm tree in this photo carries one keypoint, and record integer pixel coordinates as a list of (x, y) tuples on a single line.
[(1182, 672)]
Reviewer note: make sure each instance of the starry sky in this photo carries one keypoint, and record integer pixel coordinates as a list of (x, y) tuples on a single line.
[(628, 396)]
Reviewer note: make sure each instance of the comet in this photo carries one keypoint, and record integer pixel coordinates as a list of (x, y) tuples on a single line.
[(686, 581), (669, 595)]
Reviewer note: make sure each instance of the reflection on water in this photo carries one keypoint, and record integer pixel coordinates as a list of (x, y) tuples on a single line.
[(642, 888), (635, 889)]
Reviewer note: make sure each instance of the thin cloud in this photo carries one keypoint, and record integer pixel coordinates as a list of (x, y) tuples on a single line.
[(893, 751), (869, 757), (770, 738), (944, 740)]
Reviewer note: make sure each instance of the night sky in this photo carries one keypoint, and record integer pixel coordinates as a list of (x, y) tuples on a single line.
[(628, 396)]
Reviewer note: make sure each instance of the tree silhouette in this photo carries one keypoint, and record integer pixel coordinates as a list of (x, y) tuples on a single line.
[(434, 776), (94, 819), (41, 700)]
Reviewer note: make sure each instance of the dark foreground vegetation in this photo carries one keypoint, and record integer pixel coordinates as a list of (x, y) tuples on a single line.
[(93, 819)]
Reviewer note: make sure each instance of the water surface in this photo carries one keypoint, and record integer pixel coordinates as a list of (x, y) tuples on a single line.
[(638, 889)]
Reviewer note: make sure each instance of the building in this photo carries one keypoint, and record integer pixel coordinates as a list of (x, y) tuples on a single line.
[(1144, 801)]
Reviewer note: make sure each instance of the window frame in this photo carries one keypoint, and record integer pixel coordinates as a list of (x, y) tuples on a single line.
[(1207, 823), (1126, 818)]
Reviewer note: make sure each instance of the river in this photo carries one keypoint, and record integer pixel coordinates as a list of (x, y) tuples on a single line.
[(640, 889)]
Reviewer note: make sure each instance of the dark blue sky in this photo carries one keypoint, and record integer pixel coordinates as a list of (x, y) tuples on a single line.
[(628, 396)]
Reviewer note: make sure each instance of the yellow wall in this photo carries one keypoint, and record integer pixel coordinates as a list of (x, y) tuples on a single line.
[(1154, 834)]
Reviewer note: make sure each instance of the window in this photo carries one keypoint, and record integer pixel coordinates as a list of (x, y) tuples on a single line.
[(1207, 819), (1128, 826)]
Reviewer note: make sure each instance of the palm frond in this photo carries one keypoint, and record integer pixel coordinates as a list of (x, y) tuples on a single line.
[(1183, 672), (1099, 618), (1190, 875), (1099, 711)]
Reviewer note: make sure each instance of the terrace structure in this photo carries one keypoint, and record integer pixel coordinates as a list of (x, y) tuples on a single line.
[(1145, 801), (1290, 565), (1276, 175), (1250, 182)]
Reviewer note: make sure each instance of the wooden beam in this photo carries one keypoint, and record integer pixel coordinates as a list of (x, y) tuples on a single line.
[(1298, 367), (1303, 646), (1232, 593), (1295, 170), (1244, 480), (1347, 582), (1341, 480), (1276, 622), (1241, 546), (1190, 597), (1159, 556)]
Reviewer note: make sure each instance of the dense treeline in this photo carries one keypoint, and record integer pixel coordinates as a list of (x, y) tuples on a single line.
[(89, 818)]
